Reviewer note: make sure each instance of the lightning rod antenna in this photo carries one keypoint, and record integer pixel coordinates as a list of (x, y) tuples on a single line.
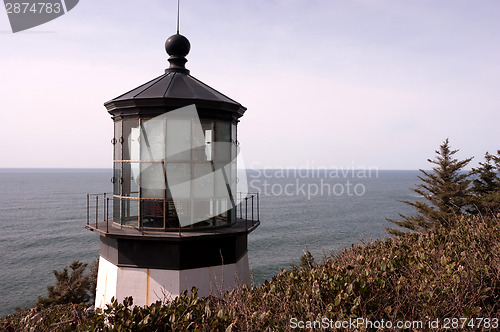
[(178, 14)]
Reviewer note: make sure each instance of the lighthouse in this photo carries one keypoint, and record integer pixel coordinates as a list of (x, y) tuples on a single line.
[(179, 214)]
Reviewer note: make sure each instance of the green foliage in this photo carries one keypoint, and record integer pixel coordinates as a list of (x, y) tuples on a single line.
[(417, 276), (448, 273), (485, 189), (54, 318), (186, 312), (445, 191), (307, 260), (70, 287), (93, 279)]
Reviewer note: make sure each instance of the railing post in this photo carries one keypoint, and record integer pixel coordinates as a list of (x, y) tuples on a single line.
[(141, 209), (252, 208), (258, 208), (107, 215), (96, 211), (88, 207), (241, 207), (246, 212), (104, 206)]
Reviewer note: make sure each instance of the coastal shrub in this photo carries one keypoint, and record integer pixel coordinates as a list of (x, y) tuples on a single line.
[(71, 286), (415, 277), (447, 273)]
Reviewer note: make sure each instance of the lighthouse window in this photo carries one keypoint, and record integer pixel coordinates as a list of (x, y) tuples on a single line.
[(203, 180), (223, 139), (130, 212), (178, 140), (222, 177), (130, 138), (202, 139), (223, 132), (116, 210), (152, 180), (152, 142), (234, 143), (234, 184), (152, 213), (130, 177), (116, 178), (179, 180), (117, 146), (208, 145)]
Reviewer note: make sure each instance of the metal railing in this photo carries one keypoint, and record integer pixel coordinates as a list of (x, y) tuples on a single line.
[(244, 202), (247, 208), (98, 209)]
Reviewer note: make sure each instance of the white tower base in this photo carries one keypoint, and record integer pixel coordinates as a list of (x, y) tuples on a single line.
[(147, 286)]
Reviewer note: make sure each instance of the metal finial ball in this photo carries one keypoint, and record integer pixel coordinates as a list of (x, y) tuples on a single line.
[(177, 45)]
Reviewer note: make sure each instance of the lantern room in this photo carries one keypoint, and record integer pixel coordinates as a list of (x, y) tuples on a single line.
[(179, 214), (175, 150)]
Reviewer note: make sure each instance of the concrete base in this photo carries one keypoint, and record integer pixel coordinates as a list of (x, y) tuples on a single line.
[(147, 286)]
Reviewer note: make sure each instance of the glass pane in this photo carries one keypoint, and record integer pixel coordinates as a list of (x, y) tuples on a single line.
[(222, 212), (234, 184), (116, 210), (234, 141), (178, 140), (203, 211), (223, 152), (116, 178), (223, 141), (153, 139), (152, 213), (182, 215), (152, 180), (222, 131), (233, 134), (222, 180), (130, 139), (179, 180), (203, 180), (172, 220), (208, 144), (130, 177), (202, 139), (130, 212), (117, 146), (232, 215)]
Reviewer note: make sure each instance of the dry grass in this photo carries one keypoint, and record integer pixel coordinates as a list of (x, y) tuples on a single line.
[(415, 277)]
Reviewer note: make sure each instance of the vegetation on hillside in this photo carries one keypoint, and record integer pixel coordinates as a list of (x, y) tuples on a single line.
[(71, 287), (414, 277), (447, 267)]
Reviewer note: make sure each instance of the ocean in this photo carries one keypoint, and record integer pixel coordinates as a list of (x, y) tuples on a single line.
[(43, 215)]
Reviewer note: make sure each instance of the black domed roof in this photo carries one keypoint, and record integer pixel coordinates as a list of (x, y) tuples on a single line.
[(176, 87)]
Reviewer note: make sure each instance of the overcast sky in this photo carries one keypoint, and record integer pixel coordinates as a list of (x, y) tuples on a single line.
[(327, 83)]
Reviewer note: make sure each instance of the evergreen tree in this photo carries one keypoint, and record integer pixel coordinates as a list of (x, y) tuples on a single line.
[(69, 288), (485, 197), (93, 279), (445, 193)]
